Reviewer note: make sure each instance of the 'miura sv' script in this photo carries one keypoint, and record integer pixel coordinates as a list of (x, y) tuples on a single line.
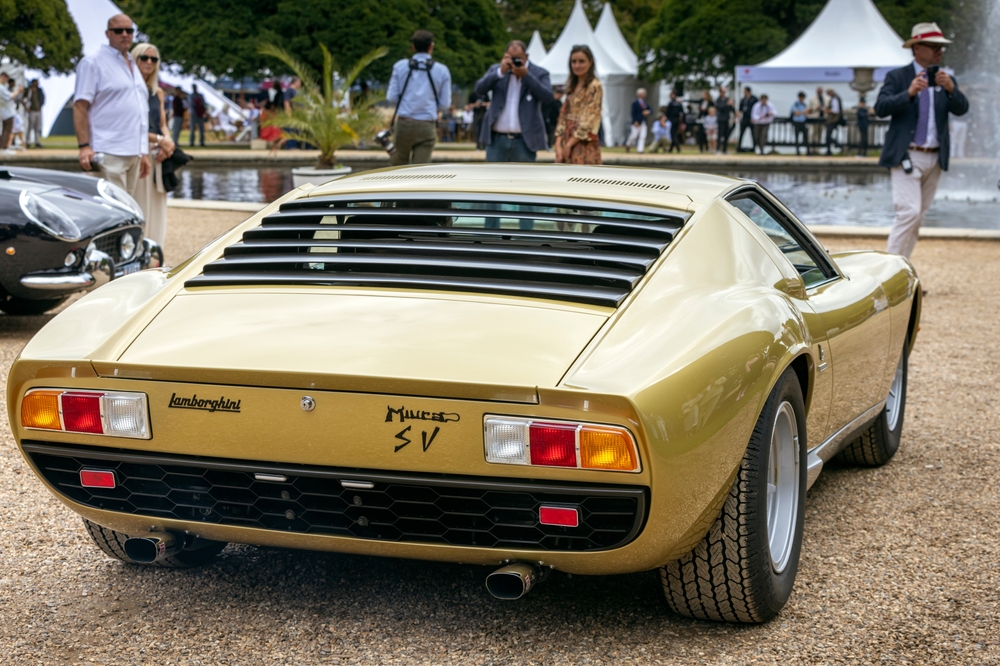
[(222, 404), (403, 415)]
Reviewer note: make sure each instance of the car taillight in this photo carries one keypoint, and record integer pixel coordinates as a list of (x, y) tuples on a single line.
[(109, 413), (511, 440), (97, 478)]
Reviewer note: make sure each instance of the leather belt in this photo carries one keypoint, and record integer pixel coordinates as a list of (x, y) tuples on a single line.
[(414, 120), (921, 149), (509, 135)]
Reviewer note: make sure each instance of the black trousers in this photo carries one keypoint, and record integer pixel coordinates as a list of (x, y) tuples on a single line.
[(724, 131), (801, 131), (744, 127), (863, 141), (830, 140), (675, 135)]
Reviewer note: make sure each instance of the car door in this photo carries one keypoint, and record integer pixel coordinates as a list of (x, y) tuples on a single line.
[(851, 313)]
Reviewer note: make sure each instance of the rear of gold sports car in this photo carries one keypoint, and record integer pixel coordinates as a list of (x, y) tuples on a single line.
[(380, 375)]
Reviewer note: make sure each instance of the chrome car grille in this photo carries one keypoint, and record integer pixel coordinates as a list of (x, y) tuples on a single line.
[(574, 251), (110, 244), (458, 511)]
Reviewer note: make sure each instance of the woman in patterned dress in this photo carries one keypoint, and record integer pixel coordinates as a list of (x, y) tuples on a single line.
[(580, 118)]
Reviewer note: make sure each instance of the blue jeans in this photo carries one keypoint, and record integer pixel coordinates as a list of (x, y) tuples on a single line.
[(508, 148), (197, 123), (175, 131)]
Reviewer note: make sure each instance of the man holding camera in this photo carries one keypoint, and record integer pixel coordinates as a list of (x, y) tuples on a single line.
[(420, 87), (919, 98), (514, 129)]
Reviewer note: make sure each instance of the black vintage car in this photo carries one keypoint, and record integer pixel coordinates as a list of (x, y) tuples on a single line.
[(61, 233)]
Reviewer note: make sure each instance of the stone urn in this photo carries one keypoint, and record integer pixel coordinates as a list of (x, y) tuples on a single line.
[(317, 175)]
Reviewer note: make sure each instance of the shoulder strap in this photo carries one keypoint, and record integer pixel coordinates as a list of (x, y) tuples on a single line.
[(392, 123), (430, 79)]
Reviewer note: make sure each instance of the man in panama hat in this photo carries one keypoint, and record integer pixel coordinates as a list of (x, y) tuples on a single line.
[(918, 97)]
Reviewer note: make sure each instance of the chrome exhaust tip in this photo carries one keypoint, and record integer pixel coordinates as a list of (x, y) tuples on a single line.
[(153, 547), (514, 580)]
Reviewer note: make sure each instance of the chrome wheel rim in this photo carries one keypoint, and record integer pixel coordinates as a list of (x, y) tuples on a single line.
[(895, 398), (782, 486)]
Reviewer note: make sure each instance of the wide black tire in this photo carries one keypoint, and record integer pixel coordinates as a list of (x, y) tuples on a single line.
[(113, 545), (26, 306), (879, 443), (729, 576)]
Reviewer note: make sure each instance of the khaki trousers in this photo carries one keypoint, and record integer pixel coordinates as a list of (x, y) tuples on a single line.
[(912, 195), (122, 170), (414, 141)]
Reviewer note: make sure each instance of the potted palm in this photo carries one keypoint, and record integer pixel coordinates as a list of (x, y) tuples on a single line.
[(323, 114)]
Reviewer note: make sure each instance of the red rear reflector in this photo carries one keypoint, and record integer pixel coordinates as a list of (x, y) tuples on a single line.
[(90, 478), (553, 444), (559, 515), (82, 412)]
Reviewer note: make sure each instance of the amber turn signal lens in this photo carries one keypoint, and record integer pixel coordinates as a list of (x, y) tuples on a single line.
[(40, 409), (607, 448)]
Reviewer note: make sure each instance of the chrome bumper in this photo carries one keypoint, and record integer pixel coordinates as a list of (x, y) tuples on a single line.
[(97, 271)]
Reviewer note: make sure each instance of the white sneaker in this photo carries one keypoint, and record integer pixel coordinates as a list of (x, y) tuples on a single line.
[(8, 151)]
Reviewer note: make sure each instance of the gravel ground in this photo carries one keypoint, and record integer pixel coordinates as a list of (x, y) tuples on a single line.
[(899, 564)]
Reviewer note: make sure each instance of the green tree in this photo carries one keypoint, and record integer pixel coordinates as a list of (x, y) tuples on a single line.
[(40, 34), (468, 34)]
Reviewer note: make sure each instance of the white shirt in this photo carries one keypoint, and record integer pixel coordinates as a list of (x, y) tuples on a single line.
[(835, 105), (119, 103), (932, 138), (510, 119), (762, 113), (418, 102), (6, 103)]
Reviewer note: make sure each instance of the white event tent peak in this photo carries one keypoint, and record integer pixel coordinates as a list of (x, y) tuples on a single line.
[(611, 38), (91, 18), (536, 48), (618, 78)]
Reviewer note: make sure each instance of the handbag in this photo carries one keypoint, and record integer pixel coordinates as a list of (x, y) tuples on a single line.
[(170, 166)]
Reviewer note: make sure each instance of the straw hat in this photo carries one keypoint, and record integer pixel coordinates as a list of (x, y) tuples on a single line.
[(928, 33)]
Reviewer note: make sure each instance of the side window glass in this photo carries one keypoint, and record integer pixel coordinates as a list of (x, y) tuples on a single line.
[(806, 266)]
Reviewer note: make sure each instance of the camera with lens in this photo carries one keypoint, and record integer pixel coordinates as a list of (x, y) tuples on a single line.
[(385, 140), (518, 62)]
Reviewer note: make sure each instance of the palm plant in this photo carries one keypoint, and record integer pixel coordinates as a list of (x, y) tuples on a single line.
[(322, 114)]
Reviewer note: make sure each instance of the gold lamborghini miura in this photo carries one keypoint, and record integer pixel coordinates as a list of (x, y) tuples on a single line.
[(591, 369)]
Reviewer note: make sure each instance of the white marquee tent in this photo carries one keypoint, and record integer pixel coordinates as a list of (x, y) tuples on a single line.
[(845, 35), (91, 17), (615, 62), (536, 48)]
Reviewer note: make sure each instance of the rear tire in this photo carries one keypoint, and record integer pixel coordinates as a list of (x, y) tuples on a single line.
[(28, 306), (113, 545), (744, 569), (879, 443)]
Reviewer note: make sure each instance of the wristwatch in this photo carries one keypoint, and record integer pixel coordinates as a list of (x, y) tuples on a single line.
[(83, 145)]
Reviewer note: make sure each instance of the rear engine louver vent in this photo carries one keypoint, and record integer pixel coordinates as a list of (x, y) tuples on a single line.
[(538, 247), (404, 176), (621, 183)]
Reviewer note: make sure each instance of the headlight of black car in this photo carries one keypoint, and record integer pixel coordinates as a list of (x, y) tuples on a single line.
[(118, 198), (49, 216)]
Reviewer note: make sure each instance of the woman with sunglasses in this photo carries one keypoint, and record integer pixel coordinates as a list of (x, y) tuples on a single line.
[(150, 193), (580, 117)]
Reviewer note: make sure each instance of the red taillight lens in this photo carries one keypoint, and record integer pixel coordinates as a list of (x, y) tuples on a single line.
[(559, 515), (553, 444), (90, 478), (82, 412)]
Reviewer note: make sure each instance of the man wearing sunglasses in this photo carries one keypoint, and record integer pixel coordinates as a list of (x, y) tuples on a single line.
[(111, 110), (918, 98)]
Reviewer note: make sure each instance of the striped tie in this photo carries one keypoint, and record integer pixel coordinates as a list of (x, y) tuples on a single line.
[(924, 98)]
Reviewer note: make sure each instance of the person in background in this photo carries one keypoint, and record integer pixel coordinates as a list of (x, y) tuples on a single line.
[(746, 113), (480, 104), (640, 112), (34, 101), (675, 114), (467, 118), (198, 113), (111, 110), (577, 139), (710, 125), (726, 112), (816, 114), (799, 118), (862, 115), (7, 110), (704, 105), (17, 131), (177, 109), (918, 100), (762, 115), (420, 87), (550, 111), (661, 135), (290, 93), (959, 129), (834, 113), (150, 194)]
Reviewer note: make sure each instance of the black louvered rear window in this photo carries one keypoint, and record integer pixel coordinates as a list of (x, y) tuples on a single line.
[(537, 247)]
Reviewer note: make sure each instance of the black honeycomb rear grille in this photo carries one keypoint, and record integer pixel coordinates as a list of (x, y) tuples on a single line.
[(537, 247), (456, 511)]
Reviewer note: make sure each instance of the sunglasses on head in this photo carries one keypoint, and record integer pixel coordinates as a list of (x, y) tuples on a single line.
[(119, 31), (146, 58)]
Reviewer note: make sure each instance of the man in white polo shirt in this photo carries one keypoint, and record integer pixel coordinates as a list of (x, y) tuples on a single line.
[(111, 110)]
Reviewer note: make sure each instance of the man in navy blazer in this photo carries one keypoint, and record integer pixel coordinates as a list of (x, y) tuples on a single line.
[(514, 129), (917, 142)]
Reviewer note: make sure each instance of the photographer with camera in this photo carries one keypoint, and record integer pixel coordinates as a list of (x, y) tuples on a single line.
[(514, 129), (919, 98), (419, 87)]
